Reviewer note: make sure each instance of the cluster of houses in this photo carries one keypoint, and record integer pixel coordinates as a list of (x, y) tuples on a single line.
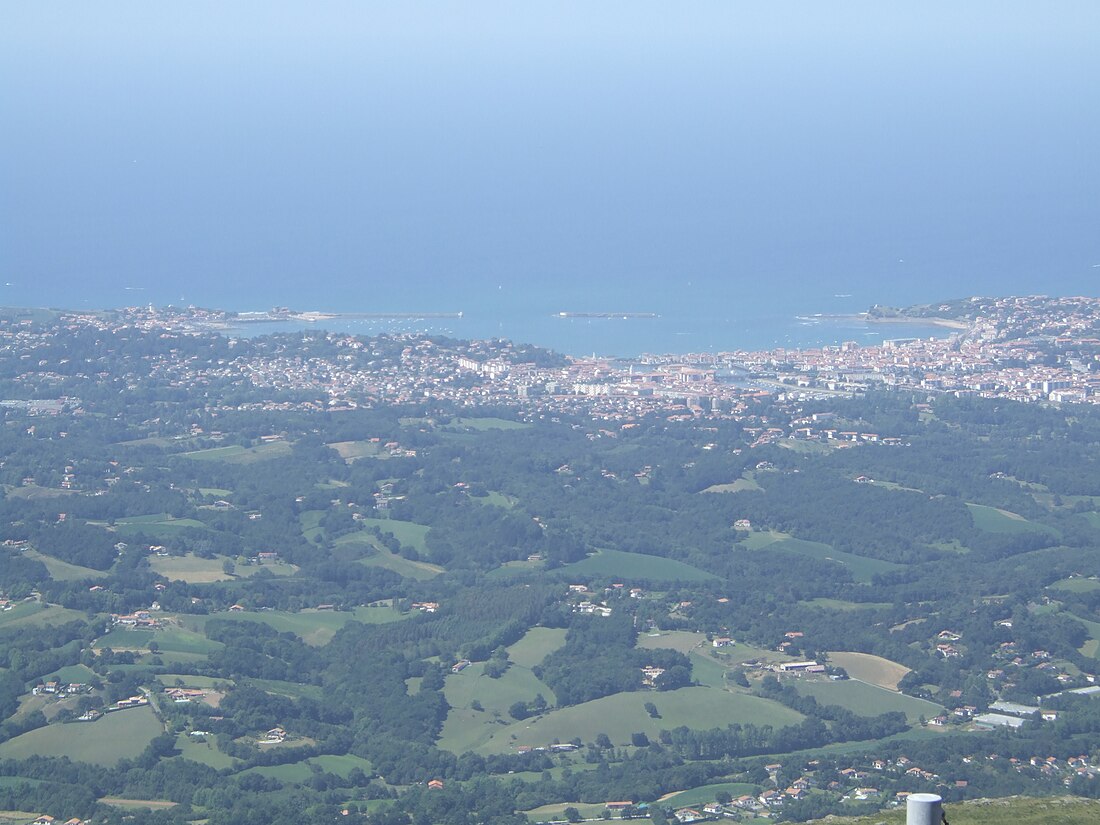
[(181, 695), (137, 619), (46, 819), (61, 691)]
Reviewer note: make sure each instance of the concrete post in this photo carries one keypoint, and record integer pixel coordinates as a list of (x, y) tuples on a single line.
[(923, 809)]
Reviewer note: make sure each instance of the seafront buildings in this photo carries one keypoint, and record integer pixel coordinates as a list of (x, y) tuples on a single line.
[(1034, 349)]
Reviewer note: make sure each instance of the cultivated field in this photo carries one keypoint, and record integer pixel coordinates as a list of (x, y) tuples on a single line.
[(873, 669), (116, 736), (157, 525), (636, 567), (867, 699)]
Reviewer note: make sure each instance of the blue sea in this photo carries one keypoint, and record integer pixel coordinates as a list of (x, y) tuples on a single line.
[(727, 166)]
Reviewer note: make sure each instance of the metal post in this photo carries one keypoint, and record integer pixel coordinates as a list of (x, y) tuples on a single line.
[(923, 809)]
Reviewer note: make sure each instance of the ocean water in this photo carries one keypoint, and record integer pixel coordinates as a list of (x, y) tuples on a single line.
[(728, 166)]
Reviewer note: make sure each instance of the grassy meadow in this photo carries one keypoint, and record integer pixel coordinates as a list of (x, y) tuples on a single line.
[(866, 699), (120, 735)]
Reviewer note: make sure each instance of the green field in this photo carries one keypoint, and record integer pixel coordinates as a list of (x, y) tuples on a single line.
[(158, 525), (468, 729), (483, 424), (36, 613), (203, 750), (236, 454), (197, 570), (185, 680), (866, 699), (744, 483), (299, 772), (863, 569), (291, 689), (1090, 648), (354, 450), (314, 627), (74, 674), (839, 604), (705, 793), (624, 713), (682, 640), (170, 640), (381, 556), (536, 644), (63, 571), (994, 520), (119, 639), (406, 532), (182, 640), (636, 567), (116, 736), (1076, 585)]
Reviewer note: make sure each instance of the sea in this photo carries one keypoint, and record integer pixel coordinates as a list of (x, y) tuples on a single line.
[(745, 172)]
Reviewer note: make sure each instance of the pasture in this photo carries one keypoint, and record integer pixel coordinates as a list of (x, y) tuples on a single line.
[(746, 482), (636, 567), (622, 714), (484, 424), (158, 525), (1075, 584), (314, 627), (354, 450), (995, 520), (866, 699), (406, 532), (38, 613), (203, 750), (863, 569), (872, 669), (840, 604), (236, 454), (63, 571), (466, 728), (120, 735), (299, 772), (194, 569), (1091, 647), (536, 644), (682, 640)]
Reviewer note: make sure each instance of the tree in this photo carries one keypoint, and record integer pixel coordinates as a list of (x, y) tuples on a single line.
[(651, 709), (572, 814)]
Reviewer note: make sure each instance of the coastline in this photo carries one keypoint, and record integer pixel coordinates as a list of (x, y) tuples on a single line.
[(932, 321)]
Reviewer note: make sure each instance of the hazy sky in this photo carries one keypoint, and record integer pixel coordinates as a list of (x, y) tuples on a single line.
[(220, 148)]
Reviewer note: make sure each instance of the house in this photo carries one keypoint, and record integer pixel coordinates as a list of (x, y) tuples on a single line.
[(435, 784)]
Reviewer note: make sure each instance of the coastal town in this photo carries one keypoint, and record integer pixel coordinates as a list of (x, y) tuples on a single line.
[(1029, 349)]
